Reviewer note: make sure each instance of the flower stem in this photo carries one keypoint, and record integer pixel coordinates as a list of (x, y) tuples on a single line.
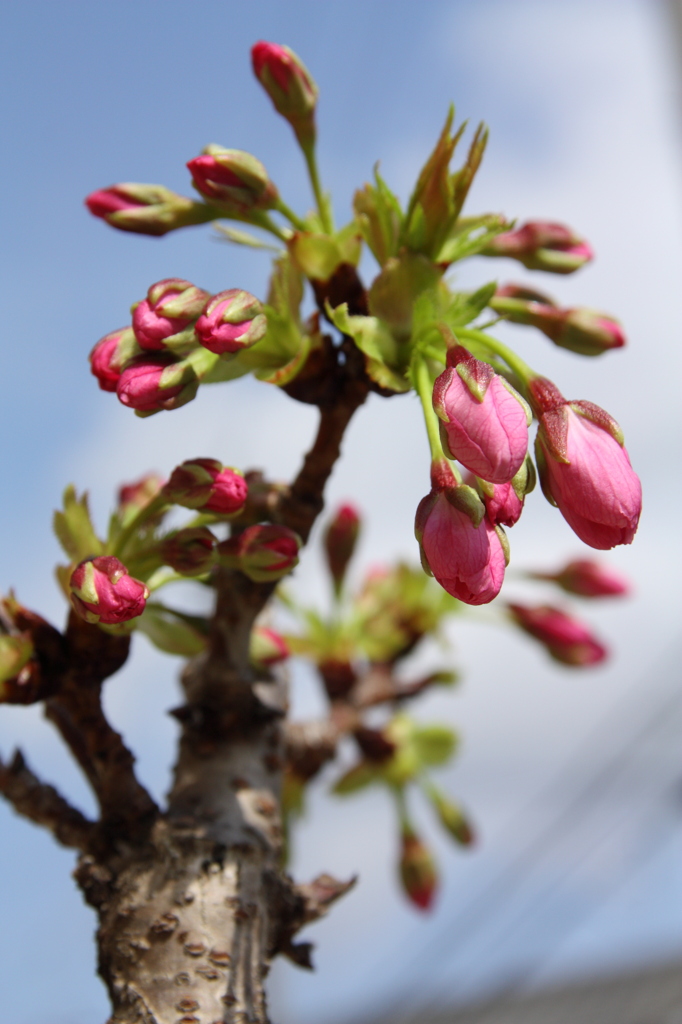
[(292, 217), (311, 163), (423, 383), (514, 362)]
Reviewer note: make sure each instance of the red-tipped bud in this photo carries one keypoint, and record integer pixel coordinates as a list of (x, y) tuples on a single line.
[(267, 648), (567, 640), (542, 245), (110, 355), (235, 179), (190, 552), (232, 320), (289, 85), (208, 485), (138, 494), (587, 579), (151, 383), (484, 421), (584, 468), (458, 543), (102, 591), (340, 539), (146, 209), (263, 553), (585, 331), (170, 307), (417, 870), (504, 502)]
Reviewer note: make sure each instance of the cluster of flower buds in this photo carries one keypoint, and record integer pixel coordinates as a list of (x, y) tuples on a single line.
[(585, 331), (178, 333), (264, 552), (567, 640), (542, 245), (102, 591)]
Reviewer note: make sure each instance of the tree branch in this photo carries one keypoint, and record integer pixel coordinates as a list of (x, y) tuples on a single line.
[(43, 805)]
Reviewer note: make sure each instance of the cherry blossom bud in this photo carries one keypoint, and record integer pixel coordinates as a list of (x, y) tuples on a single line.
[(138, 494), (263, 553), (542, 245), (207, 485), (232, 320), (232, 178), (170, 307), (417, 870), (452, 817), (587, 579), (146, 209), (484, 421), (267, 647), (16, 651), (102, 591), (289, 85), (459, 545), (504, 502), (340, 539), (585, 331), (151, 383), (110, 355), (189, 551), (584, 468), (566, 639)]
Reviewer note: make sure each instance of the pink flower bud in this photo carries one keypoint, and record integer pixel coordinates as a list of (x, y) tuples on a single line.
[(566, 639), (151, 383), (207, 485), (417, 870), (232, 178), (584, 468), (138, 494), (504, 502), (289, 85), (542, 245), (170, 307), (146, 209), (231, 321), (267, 647), (578, 329), (340, 539), (264, 553), (485, 422), (110, 355), (458, 543), (102, 591), (190, 551), (587, 579)]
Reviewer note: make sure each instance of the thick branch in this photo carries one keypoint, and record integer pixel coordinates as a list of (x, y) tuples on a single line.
[(43, 805)]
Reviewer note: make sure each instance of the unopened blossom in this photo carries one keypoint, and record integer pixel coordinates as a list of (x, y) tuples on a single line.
[(264, 553), (110, 355), (232, 178), (189, 551), (267, 647), (146, 209), (587, 579), (567, 639), (102, 591), (543, 245), (289, 85), (504, 502), (151, 383), (484, 421), (339, 541), (139, 493), (207, 485), (578, 329), (231, 321), (584, 468), (171, 306), (417, 870)]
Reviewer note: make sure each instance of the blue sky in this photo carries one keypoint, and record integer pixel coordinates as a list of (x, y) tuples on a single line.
[(582, 102)]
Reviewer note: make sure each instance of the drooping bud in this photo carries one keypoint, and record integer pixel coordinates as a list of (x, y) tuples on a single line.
[(417, 870), (264, 553), (207, 485), (567, 640), (266, 647), (585, 331), (235, 179), (232, 320), (484, 421), (542, 245), (340, 539), (586, 579), (504, 502), (289, 85), (102, 591), (170, 307), (584, 468), (151, 383), (458, 543), (146, 209), (190, 552), (110, 355)]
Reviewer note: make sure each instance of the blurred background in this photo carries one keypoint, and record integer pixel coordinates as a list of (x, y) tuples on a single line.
[(572, 778)]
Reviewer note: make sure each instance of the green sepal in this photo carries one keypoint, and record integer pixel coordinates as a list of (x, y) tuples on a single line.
[(356, 778), (386, 359), (541, 463), (504, 542), (318, 255), (466, 306), (435, 744), (173, 632), (73, 527), (465, 499), (379, 217)]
